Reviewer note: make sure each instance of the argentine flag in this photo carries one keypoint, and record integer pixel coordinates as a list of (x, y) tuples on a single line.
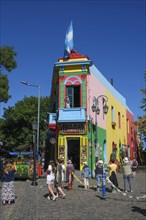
[(69, 40)]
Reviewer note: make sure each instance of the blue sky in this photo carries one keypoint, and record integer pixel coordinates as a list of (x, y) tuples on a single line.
[(110, 33)]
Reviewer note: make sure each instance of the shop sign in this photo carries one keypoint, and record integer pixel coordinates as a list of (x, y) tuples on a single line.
[(72, 128)]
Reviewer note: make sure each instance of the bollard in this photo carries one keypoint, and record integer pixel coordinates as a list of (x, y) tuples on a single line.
[(103, 186), (70, 179)]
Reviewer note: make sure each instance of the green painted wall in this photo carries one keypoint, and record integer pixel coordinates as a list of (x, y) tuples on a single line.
[(84, 89), (61, 95)]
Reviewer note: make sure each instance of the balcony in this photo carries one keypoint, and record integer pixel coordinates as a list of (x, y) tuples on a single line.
[(71, 115), (52, 120)]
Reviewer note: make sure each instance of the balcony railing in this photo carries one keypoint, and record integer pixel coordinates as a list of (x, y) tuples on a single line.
[(72, 115)]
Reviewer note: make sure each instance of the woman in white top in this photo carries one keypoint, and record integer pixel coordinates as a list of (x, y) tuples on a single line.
[(50, 180)]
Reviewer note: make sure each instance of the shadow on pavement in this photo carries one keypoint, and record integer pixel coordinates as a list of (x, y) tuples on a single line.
[(139, 210)]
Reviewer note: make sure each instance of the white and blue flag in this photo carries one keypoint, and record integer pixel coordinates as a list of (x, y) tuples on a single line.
[(69, 40)]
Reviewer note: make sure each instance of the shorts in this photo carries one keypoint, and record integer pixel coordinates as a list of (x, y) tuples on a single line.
[(50, 179)]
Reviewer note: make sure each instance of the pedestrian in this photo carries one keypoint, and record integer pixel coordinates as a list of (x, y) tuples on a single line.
[(51, 180), (58, 178), (63, 170), (134, 164), (127, 174), (113, 174), (8, 188), (86, 174), (69, 167), (99, 173)]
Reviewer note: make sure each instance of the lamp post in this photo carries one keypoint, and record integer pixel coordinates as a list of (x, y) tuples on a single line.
[(96, 109), (38, 117), (34, 127)]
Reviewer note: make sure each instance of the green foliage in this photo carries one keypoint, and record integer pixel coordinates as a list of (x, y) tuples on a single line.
[(16, 125), (141, 122), (4, 88), (8, 63)]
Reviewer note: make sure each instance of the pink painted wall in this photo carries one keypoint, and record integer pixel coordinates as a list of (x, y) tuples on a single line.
[(95, 88)]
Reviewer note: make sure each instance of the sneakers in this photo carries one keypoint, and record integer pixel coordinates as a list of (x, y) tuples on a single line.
[(48, 197), (125, 191), (56, 195), (131, 191), (54, 198)]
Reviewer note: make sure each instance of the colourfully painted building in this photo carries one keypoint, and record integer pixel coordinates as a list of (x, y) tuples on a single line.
[(88, 118)]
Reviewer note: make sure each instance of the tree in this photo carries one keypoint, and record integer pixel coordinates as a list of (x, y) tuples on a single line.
[(141, 122), (141, 128), (16, 124), (4, 88), (7, 63)]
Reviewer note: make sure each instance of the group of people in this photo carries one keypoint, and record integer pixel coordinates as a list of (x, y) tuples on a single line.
[(55, 176), (129, 171), (54, 179), (57, 173)]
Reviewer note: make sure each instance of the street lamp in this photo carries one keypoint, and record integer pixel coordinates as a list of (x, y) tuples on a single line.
[(96, 109), (38, 119), (34, 127)]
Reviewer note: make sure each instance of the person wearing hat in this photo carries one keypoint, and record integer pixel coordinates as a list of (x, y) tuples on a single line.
[(69, 167), (127, 174), (86, 173), (99, 172)]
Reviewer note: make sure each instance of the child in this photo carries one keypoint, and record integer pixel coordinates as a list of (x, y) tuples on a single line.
[(86, 173)]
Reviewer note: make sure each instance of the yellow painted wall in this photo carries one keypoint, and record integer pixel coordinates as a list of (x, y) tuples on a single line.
[(73, 60), (116, 135), (77, 68)]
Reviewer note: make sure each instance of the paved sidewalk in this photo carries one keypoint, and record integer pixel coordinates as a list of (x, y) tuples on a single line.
[(32, 204)]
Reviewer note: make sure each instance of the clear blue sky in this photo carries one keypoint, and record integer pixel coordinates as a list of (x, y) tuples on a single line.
[(111, 33)]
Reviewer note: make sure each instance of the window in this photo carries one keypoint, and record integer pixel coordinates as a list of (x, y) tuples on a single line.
[(112, 111), (73, 92), (128, 126)]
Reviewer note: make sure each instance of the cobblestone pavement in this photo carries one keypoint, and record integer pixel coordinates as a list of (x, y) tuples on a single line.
[(32, 204)]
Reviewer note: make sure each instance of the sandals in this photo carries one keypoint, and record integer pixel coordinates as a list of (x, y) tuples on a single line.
[(63, 197)]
